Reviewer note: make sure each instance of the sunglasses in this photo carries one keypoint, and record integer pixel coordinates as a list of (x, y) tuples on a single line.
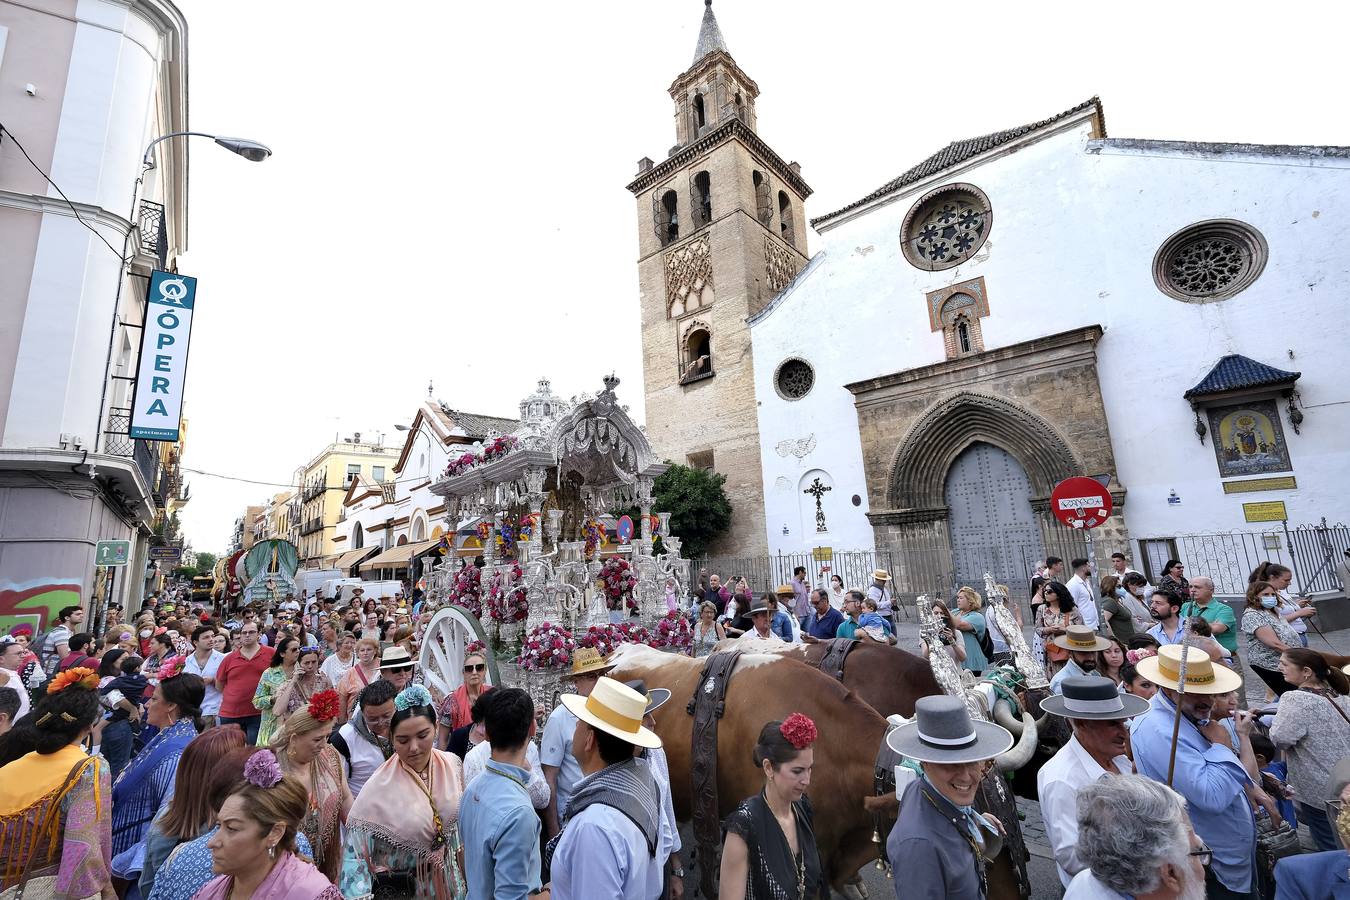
[(475, 667), (400, 669), (304, 650)]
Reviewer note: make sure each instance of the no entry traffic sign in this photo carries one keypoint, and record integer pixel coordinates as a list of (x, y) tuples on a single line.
[(1080, 502)]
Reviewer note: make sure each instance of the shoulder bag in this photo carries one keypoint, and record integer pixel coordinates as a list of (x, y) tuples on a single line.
[(44, 887)]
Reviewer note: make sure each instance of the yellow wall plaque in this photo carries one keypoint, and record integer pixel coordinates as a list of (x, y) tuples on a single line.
[(822, 554), (1282, 483), (1269, 511)]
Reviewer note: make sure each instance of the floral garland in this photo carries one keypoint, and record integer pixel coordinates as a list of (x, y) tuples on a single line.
[(527, 524), (605, 639), (548, 646), (467, 590), (673, 631), (498, 448), (506, 600), (595, 536), (474, 646), (618, 581)]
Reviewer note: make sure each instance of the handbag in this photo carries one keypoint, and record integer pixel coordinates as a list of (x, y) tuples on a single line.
[(44, 886), (1274, 843)]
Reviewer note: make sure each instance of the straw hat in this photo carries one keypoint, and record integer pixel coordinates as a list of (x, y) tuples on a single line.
[(881, 575), (395, 658), (943, 732), (1202, 676), (1093, 697), (1081, 638), (784, 590), (615, 709), (587, 660)]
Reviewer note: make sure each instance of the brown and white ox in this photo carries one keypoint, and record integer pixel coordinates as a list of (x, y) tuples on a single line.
[(765, 687)]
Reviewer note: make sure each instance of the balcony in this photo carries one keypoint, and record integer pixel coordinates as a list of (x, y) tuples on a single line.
[(311, 526), (154, 239), (314, 490), (117, 441)]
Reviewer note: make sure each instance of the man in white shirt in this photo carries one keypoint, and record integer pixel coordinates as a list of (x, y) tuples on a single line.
[(561, 769), (204, 661), (1099, 715), (1084, 598), (363, 743), (1120, 567)]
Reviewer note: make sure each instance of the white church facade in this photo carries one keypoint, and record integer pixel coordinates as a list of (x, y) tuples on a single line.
[(1049, 301)]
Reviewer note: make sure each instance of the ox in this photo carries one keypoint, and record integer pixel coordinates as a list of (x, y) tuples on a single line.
[(767, 686)]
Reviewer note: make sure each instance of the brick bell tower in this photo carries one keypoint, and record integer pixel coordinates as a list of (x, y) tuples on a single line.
[(721, 231)]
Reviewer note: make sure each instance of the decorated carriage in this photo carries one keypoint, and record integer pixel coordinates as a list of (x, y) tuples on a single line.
[(553, 576)]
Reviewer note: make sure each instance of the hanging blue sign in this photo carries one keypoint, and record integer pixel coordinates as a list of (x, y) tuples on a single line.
[(157, 405)]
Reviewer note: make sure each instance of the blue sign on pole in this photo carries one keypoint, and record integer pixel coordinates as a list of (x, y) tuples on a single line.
[(157, 405)]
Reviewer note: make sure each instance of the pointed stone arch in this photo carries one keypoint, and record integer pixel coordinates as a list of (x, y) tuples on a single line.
[(919, 470)]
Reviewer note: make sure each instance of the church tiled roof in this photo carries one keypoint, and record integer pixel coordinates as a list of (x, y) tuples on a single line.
[(958, 152), (474, 425), (1235, 373)]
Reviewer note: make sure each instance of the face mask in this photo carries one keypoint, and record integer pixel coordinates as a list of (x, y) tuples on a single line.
[(1270, 602), (146, 632), (1121, 593)]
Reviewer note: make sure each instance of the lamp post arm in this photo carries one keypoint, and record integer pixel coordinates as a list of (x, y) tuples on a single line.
[(149, 162)]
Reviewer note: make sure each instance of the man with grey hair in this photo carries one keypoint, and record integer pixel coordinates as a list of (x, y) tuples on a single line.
[(1222, 623), (1137, 840)]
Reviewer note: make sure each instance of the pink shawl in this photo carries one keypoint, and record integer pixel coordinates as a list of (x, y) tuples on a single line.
[(393, 807), (290, 879)]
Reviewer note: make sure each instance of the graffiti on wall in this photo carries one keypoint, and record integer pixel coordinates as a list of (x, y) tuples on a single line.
[(36, 603)]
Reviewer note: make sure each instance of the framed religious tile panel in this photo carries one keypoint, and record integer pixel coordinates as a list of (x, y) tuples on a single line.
[(1248, 439)]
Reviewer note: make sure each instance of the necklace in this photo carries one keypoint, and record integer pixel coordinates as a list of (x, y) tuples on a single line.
[(426, 784)]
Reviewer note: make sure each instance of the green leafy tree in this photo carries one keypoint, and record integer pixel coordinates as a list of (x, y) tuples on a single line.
[(184, 572), (205, 563), (698, 506)]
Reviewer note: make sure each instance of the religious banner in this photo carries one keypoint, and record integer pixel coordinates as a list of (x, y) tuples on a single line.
[(1248, 439)]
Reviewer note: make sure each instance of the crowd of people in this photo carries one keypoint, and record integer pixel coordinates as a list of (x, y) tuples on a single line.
[(296, 751)]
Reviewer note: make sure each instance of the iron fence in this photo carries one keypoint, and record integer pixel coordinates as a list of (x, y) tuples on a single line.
[(153, 235), (117, 441), (1315, 553)]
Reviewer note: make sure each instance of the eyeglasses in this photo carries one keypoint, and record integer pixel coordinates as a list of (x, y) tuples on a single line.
[(400, 669), (1205, 855), (311, 649), (475, 667)]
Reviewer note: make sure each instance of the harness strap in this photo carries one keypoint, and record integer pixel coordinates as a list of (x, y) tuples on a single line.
[(836, 651), (707, 706)]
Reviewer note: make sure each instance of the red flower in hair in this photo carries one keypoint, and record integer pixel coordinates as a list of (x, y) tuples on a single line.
[(324, 706), (799, 731)]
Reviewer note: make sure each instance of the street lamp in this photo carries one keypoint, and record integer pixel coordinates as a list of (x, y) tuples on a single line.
[(252, 151)]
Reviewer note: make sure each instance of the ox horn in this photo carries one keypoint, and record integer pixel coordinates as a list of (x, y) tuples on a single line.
[(1021, 752), (1003, 715)]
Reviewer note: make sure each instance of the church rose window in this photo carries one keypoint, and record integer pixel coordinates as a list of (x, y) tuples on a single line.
[(946, 227), (1208, 261), (794, 379)]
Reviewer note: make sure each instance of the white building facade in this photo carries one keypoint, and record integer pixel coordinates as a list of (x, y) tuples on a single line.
[(1046, 302)]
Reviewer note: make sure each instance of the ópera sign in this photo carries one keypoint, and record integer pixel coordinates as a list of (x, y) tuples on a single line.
[(157, 405)]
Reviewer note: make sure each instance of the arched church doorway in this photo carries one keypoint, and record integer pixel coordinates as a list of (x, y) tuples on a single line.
[(992, 525)]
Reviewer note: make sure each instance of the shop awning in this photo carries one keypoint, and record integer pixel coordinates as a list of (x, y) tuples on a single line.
[(398, 557), (346, 560)]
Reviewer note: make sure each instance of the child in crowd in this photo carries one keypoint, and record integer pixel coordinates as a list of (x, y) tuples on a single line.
[(1274, 774), (877, 626)]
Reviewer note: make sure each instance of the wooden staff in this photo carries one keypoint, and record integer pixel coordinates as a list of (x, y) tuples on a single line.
[(1181, 695)]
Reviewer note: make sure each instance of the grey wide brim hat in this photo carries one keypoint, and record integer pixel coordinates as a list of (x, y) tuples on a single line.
[(943, 732), (1093, 697)]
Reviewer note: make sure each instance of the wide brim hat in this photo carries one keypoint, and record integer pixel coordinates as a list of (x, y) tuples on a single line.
[(616, 709), (1093, 697), (784, 590), (758, 605), (587, 661), (881, 575), (943, 732), (656, 697), (394, 658), (1082, 639), (1202, 675)]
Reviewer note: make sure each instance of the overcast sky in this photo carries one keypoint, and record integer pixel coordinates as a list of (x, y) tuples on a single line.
[(446, 201)]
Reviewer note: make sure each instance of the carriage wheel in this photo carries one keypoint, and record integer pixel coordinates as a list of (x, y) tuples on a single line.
[(442, 656)]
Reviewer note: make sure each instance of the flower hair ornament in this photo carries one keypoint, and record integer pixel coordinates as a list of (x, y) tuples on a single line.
[(325, 706), (171, 668), (412, 695), (799, 731), (262, 770), (84, 677), (1134, 656)]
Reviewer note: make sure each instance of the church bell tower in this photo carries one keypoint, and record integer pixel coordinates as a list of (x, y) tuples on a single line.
[(721, 231)]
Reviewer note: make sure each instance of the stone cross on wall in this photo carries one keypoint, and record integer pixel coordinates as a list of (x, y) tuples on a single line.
[(818, 490)]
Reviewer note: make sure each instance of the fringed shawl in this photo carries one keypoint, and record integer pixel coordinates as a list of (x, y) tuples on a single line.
[(75, 842), (141, 787)]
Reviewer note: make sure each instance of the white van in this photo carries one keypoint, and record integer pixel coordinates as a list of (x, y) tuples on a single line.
[(311, 581)]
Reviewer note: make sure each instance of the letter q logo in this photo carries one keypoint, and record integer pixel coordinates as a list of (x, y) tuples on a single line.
[(173, 290)]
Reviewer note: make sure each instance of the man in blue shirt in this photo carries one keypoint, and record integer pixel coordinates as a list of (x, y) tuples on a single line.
[(1207, 772), (824, 619), (1165, 607), (497, 821)]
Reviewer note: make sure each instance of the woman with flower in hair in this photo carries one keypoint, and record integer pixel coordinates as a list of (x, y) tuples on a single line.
[(403, 832), (253, 852), (54, 800), (276, 676), (769, 848), (305, 755), (175, 709)]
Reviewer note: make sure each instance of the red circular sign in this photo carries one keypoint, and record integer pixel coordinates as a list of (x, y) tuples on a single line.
[(1080, 502)]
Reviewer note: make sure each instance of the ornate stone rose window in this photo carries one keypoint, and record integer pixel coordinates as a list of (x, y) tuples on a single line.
[(946, 227), (1209, 261), (794, 379)]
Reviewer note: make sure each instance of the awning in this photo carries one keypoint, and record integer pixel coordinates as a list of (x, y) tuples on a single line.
[(398, 557), (346, 560)]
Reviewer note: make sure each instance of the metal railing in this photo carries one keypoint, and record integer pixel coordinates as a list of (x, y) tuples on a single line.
[(117, 441), (154, 238), (1315, 553)]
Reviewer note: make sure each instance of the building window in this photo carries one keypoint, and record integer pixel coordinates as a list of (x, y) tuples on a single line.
[(701, 459), (794, 379), (785, 216), (740, 106), (956, 311), (353, 472), (667, 218), (963, 334), (700, 118), (946, 227), (358, 536), (1209, 261), (702, 184), (1156, 553), (763, 202), (377, 473), (696, 353)]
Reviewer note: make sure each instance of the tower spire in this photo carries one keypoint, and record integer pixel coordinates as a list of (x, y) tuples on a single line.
[(710, 37)]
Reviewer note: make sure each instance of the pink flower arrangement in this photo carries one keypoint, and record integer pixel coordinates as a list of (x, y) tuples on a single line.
[(467, 590), (607, 638), (262, 770), (618, 581), (495, 450), (548, 646), (474, 647), (171, 667), (673, 631), (506, 597)]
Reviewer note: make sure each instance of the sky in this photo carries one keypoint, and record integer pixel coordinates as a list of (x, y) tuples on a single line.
[(446, 203)]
